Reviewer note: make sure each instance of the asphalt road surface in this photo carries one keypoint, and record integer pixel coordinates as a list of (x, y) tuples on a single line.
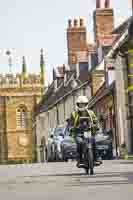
[(63, 181)]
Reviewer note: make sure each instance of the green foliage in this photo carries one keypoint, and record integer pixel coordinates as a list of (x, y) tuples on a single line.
[(34, 154), (15, 162), (123, 152)]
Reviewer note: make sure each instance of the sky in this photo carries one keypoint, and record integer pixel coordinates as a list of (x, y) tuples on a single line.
[(29, 25)]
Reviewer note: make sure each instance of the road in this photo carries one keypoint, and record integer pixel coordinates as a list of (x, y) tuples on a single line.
[(63, 181)]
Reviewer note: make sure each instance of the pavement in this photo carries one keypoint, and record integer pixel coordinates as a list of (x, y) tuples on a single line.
[(63, 181)]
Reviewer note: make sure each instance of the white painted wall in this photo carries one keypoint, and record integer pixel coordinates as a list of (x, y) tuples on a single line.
[(41, 131), (48, 120), (121, 101)]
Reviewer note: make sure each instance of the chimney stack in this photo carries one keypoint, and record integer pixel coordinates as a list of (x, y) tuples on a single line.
[(76, 40), (103, 22), (81, 22), (69, 23)]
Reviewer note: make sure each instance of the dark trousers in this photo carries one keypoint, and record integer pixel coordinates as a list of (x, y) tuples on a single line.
[(80, 146)]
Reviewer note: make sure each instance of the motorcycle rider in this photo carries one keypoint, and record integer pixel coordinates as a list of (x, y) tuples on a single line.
[(83, 111)]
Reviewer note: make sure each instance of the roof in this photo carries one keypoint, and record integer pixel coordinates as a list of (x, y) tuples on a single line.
[(52, 97), (122, 27), (59, 71), (100, 94)]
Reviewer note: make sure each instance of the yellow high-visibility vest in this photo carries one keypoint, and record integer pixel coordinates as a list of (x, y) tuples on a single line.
[(91, 114)]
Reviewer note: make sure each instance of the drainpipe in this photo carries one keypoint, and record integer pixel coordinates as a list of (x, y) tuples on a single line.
[(114, 120), (57, 112), (113, 94), (130, 79)]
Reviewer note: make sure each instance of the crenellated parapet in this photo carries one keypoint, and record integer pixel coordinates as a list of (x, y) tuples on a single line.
[(18, 81)]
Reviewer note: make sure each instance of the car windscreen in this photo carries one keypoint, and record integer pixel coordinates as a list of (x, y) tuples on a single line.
[(59, 131)]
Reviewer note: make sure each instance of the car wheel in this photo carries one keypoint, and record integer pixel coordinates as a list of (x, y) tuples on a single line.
[(64, 158), (53, 153)]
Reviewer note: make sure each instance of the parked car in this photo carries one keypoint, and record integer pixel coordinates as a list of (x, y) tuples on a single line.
[(104, 145), (68, 148), (49, 150), (59, 134)]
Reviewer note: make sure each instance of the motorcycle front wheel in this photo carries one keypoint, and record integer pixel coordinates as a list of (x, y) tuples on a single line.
[(90, 162)]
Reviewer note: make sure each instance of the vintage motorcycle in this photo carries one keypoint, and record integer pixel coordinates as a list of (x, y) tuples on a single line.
[(84, 131)]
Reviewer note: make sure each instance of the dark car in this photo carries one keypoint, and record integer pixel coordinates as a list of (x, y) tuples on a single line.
[(68, 148), (104, 145)]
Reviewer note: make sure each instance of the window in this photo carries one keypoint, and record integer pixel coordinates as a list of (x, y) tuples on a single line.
[(21, 117), (93, 60), (83, 67)]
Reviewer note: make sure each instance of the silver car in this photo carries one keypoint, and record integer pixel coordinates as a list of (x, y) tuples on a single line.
[(59, 134), (68, 148), (50, 147)]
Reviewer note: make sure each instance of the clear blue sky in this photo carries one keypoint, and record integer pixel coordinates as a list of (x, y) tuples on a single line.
[(28, 25)]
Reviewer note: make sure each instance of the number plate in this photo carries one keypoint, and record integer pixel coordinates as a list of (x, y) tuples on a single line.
[(89, 145), (87, 134)]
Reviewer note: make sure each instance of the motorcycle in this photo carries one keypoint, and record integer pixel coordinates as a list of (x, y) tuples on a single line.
[(85, 132)]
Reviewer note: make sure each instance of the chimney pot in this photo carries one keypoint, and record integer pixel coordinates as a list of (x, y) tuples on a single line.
[(69, 23), (81, 22), (75, 22)]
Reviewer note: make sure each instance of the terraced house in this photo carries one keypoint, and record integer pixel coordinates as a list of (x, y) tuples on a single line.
[(99, 71), (75, 78)]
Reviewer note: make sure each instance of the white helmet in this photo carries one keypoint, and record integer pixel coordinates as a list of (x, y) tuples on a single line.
[(82, 103)]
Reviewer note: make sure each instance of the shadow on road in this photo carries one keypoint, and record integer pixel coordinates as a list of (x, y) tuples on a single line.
[(126, 163), (105, 179)]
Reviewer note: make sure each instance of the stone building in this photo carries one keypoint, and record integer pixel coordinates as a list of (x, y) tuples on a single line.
[(56, 106), (19, 95), (69, 81)]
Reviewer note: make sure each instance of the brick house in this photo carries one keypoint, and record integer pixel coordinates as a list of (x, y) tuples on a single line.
[(111, 99)]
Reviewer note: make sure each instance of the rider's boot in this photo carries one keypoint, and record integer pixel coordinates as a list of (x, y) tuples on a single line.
[(79, 156), (79, 160), (97, 161)]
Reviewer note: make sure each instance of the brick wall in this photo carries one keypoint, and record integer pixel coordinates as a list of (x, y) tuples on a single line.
[(76, 39), (103, 23)]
